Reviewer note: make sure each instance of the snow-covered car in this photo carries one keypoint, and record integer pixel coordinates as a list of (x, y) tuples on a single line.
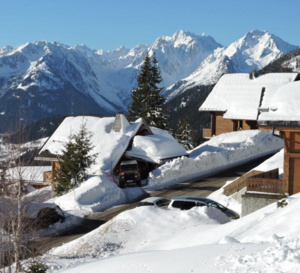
[(188, 202), (34, 215), (158, 202)]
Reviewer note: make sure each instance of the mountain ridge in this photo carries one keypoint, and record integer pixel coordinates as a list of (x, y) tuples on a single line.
[(41, 73)]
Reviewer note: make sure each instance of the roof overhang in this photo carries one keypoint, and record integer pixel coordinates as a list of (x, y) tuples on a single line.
[(40, 158), (284, 125)]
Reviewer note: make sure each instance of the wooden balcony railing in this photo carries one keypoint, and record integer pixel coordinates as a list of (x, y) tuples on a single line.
[(254, 177), (207, 133), (239, 183), (264, 185)]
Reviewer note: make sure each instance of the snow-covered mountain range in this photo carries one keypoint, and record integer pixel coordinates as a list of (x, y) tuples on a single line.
[(51, 78), (253, 51)]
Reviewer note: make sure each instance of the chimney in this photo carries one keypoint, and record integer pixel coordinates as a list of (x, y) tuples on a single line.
[(120, 123)]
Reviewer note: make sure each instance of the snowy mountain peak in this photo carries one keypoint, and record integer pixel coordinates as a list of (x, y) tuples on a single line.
[(253, 51), (182, 37)]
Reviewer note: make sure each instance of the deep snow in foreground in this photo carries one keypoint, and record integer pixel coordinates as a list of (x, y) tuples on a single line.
[(199, 240)]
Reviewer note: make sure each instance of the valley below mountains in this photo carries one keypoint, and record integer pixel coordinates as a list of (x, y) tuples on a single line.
[(44, 79)]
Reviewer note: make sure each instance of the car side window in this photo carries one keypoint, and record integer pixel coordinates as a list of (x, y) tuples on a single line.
[(177, 204), (188, 205), (200, 204)]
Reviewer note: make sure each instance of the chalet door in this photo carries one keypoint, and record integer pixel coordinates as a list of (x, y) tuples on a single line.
[(294, 179), (294, 172)]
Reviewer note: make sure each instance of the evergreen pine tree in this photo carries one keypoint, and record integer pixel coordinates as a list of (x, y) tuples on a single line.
[(157, 101), (140, 96), (184, 134), (147, 102), (76, 158)]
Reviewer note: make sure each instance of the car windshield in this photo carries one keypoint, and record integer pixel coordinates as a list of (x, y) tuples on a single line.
[(216, 205), (129, 167), (163, 203)]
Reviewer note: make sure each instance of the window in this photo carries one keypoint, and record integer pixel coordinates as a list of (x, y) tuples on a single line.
[(177, 204), (162, 203), (188, 205)]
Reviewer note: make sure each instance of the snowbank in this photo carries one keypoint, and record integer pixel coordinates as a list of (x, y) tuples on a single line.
[(96, 194), (135, 228), (219, 153), (189, 241)]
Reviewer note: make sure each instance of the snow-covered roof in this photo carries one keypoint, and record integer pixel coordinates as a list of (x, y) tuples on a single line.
[(109, 145), (156, 147), (281, 104), (239, 96)]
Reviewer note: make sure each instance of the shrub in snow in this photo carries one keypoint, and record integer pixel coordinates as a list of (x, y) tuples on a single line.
[(36, 267), (283, 200)]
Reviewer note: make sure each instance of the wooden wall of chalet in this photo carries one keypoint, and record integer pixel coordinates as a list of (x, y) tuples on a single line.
[(249, 124), (219, 125), (222, 125), (291, 177)]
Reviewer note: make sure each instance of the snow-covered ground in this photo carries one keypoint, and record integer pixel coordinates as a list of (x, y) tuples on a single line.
[(219, 153), (148, 239)]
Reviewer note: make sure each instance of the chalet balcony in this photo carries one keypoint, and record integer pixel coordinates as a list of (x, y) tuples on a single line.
[(256, 181), (207, 133), (265, 185), (266, 182)]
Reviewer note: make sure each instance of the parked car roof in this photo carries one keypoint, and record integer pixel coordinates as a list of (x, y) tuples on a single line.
[(206, 202), (160, 202)]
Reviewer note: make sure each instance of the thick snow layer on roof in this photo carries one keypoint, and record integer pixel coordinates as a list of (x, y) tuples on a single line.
[(240, 96), (110, 145), (282, 103), (156, 147)]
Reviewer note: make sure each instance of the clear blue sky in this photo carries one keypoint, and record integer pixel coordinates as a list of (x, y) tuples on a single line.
[(108, 24)]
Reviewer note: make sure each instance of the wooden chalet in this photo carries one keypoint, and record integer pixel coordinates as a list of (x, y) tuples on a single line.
[(114, 140), (280, 112), (234, 101)]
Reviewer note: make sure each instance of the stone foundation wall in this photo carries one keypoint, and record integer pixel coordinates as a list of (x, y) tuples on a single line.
[(254, 202)]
